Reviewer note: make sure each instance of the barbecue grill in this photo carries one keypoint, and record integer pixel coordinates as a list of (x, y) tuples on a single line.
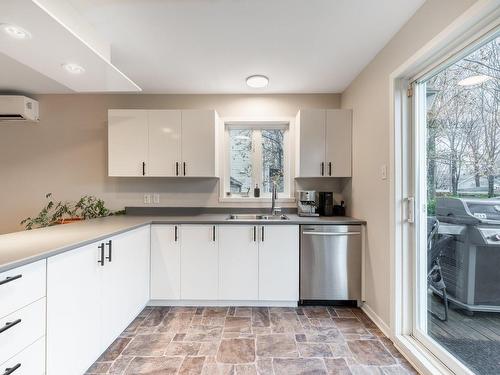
[(471, 264)]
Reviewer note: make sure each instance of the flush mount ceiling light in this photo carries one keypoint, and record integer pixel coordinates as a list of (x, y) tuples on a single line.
[(257, 81), (16, 32), (474, 80), (73, 68)]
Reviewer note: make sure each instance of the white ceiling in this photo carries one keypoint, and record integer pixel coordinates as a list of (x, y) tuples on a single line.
[(211, 46)]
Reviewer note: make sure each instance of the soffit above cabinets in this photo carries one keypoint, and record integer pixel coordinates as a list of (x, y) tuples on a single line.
[(59, 36)]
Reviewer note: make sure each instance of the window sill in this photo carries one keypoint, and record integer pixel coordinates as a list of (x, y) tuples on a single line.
[(255, 200)]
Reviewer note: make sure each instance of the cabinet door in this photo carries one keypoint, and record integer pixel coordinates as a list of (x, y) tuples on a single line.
[(311, 152), (74, 282), (165, 262), (199, 262), (198, 143), (127, 142), (338, 142), (164, 142), (125, 281), (279, 263), (238, 262)]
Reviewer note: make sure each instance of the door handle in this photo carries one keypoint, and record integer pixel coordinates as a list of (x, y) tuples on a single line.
[(101, 261), (8, 279), (9, 325), (329, 168), (143, 168), (262, 234), (322, 168), (332, 234), (10, 370), (175, 234), (176, 168), (184, 167), (213, 233), (109, 250), (254, 233)]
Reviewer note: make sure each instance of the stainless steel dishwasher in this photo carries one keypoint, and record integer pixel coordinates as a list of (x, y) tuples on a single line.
[(330, 263)]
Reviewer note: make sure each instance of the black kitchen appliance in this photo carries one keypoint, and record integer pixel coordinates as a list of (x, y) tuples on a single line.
[(471, 260), (325, 203)]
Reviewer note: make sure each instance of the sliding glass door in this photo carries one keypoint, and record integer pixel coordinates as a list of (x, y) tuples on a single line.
[(457, 191)]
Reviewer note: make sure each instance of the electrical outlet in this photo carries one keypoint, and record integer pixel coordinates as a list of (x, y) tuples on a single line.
[(147, 198), (156, 197)]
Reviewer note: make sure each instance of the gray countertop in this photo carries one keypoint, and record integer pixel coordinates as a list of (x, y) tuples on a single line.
[(19, 248)]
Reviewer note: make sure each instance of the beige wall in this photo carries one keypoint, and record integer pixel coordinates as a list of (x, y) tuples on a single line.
[(66, 152), (368, 96)]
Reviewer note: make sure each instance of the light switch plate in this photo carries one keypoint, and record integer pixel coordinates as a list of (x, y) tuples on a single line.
[(383, 172)]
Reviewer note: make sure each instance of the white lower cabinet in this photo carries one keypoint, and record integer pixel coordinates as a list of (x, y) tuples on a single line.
[(279, 263), (93, 293), (238, 262), (31, 361), (233, 262), (165, 262), (199, 262)]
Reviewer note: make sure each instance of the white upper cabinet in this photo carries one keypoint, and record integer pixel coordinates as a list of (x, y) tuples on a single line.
[(238, 262), (198, 143), (338, 142), (162, 143), (323, 143), (127, 142), (311, 143)]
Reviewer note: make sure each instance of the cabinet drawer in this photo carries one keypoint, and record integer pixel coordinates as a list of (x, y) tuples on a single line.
[(21, 329), (21, 286), (31, 361)]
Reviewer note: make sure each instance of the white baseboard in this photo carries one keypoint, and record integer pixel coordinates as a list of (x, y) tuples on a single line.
[(376, 319), (222, 303)]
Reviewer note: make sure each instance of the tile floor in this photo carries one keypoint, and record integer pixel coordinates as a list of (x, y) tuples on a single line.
[(245, 340)]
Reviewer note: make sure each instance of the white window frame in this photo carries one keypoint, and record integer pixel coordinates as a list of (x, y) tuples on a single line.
[(257, 123)]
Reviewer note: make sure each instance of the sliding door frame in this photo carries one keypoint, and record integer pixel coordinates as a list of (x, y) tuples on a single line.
[(406, 152)]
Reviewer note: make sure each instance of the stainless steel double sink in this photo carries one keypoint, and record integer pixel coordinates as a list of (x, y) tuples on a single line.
[(257, 217)]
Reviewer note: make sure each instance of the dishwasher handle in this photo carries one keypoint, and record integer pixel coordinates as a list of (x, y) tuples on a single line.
[(333, 233)]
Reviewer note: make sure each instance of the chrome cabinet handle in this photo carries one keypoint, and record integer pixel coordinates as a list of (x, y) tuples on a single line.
[(109, 250), (9, 325), (101, 261), (8, 279), (332, 234), (10, 370)]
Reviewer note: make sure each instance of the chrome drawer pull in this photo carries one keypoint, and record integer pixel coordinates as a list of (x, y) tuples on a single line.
[(9, 325), (10, 370), (8, 279), (332, 234)]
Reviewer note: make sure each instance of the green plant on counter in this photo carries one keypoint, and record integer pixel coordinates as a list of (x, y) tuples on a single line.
[(53, 213)]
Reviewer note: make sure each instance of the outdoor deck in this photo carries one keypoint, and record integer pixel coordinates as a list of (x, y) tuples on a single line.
[(474, 339)]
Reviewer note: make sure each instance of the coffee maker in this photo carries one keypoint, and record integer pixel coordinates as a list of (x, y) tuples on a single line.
[(306, 203)]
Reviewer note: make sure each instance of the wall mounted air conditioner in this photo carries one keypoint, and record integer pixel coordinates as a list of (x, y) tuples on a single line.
[(18, 108)]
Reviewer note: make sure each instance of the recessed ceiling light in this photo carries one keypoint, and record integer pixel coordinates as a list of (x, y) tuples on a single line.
[(16, 32), (257, 81), (73, 68), (474, 80)]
